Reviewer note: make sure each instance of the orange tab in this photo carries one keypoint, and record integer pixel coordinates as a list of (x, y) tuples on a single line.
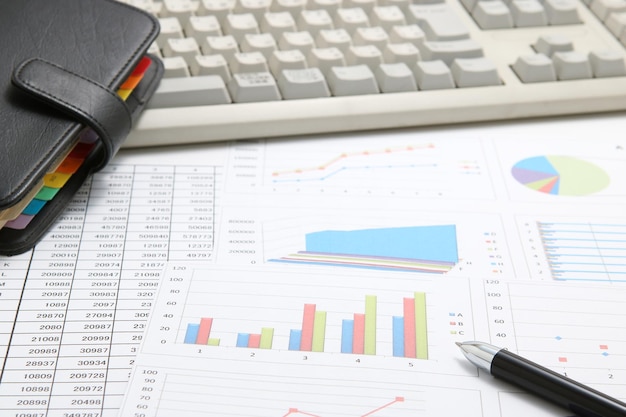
[(131, 82), (69, 165)]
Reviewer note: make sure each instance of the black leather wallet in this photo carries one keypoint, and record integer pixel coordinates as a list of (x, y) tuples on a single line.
[(63, 66)]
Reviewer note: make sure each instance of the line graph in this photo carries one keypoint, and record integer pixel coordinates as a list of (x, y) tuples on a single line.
[(359, 160), (296, 412), (405, 167)]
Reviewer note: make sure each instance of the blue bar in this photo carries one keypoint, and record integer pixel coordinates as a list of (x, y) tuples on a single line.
[(398, 336), (242, 339), (295, 336), (192, 333), (347, 335)]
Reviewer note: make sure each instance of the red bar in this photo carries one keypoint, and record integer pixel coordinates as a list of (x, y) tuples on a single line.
[(204, 331), (358, 340), (254, 341), (410, 350), (308, 318)]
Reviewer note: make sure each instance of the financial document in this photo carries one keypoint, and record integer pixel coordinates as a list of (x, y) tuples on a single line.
[(324, 277)]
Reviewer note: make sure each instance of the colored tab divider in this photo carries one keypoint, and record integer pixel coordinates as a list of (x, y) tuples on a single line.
[(20, 215)]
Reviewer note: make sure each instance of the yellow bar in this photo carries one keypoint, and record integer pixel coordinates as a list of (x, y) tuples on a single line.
[(370, 325), (267, 336), (319, 331), (421, 329), (213, 342)]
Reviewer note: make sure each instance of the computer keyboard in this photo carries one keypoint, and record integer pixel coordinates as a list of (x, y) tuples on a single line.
[(238, 69)]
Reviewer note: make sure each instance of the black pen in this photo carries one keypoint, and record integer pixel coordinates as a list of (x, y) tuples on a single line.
[(576, 397)]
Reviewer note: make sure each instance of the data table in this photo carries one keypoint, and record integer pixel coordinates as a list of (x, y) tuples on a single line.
[(73, 310)]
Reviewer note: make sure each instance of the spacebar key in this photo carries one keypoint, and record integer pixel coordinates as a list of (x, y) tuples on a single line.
[(190, 91)]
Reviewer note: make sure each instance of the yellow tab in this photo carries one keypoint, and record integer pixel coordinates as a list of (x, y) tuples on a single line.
[(124, 93), (56, 179)]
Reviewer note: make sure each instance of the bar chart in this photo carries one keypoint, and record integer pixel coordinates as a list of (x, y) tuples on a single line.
[(283, 308), (358, 334)]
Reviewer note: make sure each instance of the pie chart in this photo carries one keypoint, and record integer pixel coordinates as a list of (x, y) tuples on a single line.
[(560, 175)]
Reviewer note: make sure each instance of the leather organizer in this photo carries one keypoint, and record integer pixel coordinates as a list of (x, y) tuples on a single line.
[(62, 63)]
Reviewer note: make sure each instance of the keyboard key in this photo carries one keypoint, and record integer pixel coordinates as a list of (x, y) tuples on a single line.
[(352, 80), (338, 38), (448, 51), (607, 63), (550, 44), (534, 68), (302, 41), (439, 22), (278, 23), (331, 6), (313, 21), (226, 46), (562, 12), (170, 29), (474, 72), (350, 19), (393, 78), (182, 9), (303, 83), (375, 36), (603, 8), (401, 52), (401, 4), (293, 7), (493, 14), (155, 50), (527, 13), (572, 65), (433, 75), (253, 87), (616, 22), (193, 91), (248, 62), (326, 58), (364, 55), (366, 5), (263, 43), (185, 47), (408, 33), (255, 7), (217, 8), (210, 65), (237, 25), (175, 67), (387, 17), (199, 27), (282, 60)]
